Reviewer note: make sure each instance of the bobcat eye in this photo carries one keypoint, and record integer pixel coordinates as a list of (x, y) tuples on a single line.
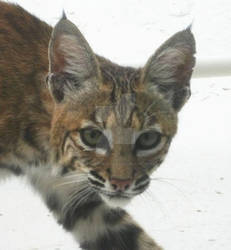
[(93, 138), (148, 140)]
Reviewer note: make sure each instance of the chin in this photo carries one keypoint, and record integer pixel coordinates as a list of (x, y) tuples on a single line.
[(115, 201)]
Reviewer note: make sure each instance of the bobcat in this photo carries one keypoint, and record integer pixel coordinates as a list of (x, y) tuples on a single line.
[(87, 132)]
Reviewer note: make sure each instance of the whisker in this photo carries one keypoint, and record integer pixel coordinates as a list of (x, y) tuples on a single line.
[(71, 182), (84, 198), (171, 179), (77, 200), (77, 192), (69, 203), (70, 179), (74, 175), (170, 184), (73, 197), (144, 198), (156, 201)]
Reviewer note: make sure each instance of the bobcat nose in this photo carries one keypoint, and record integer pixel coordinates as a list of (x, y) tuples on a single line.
[(120, 184)]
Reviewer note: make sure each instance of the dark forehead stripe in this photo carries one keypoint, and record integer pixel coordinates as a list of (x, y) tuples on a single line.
[(122, 81), (149, 120), (124, 109)]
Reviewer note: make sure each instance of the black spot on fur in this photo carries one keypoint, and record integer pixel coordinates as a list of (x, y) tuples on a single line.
[(52, 202), (73, 213), (68, 167), (65, 171), (125, 239), (56, 157), (28, 135), (14, 169), (114, 216)]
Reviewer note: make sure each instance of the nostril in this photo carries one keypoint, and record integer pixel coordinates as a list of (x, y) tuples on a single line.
[(126, 187)]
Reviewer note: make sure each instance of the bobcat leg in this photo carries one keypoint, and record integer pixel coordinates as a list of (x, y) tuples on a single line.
[(94, 224), (98, 227), (112, 229)]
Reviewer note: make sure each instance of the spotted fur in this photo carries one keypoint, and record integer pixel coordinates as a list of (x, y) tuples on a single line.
[(55, 93)]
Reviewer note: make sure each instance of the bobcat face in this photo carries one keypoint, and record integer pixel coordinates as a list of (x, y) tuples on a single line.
[(130, 149), (118, 145), (112, 125)]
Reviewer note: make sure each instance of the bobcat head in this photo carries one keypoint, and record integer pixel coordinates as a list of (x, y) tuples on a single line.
[(112, 126)]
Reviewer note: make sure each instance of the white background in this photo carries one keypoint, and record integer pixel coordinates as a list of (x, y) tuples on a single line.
[(189, 206)]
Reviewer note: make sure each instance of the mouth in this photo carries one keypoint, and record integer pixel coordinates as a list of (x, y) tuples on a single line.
[(115, 199), (121, 198)]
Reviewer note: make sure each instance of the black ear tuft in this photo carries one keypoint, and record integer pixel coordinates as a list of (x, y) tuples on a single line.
[(64, 16), (169, 70)]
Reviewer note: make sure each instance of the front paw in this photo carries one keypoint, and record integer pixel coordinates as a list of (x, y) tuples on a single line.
[(128, 238)]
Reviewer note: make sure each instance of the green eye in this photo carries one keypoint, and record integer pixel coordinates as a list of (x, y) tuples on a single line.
[(148, 140), (93, 137)]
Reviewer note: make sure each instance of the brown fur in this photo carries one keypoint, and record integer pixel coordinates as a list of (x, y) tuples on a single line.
[(25, 103), (49, 96), (32, 126)]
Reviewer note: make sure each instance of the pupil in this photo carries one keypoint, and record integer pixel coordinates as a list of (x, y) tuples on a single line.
[(146, 137), (94, 134)]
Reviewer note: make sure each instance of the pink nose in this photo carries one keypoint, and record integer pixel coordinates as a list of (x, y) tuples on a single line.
[(120, 184)]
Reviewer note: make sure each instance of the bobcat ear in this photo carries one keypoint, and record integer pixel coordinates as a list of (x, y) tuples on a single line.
[(169, 70), (72, 63)]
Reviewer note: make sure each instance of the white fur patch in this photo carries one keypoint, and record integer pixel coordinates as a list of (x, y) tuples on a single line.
[(115, 202)]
